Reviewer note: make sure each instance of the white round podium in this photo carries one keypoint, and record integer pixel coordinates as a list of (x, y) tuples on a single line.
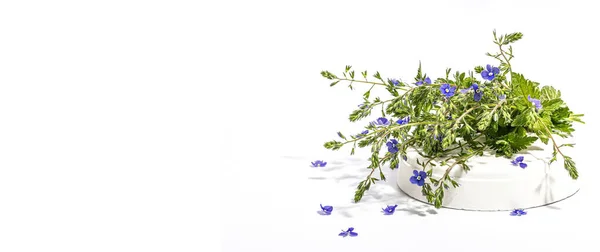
[(494, 183)]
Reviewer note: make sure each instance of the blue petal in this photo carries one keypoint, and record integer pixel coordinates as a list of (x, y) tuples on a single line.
[(353, 234), (520, 159), (323, 164), (313, 163), (475, 86), (423, 174), (413, 180), (421, 182), (488, 68), (496, 70), (477, 96), (416, 173), (419, 83), (427, 80), (514, 162), (523, 165), (343, 234), (485, 75), (350, 229)]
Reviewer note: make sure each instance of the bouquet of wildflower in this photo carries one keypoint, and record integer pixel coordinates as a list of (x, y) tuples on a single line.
[(455, 118)]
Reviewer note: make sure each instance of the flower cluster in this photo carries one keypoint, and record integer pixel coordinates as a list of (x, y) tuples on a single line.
[(519, 162), (489, 109)]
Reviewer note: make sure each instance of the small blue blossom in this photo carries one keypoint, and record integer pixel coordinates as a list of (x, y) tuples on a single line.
[(519, 161), (439, 137), (362, 134), (404, 157), (449, 117), (319, 163), (392, 145), (535, 102), (350, 232), (381, 121), (502, 97), (389, 210), (395, 82), (464, 90), (478, 93), (427, 80), (447, 90), (490, 72), (404, 120), (518, 212), (418, 178), (325, 210)]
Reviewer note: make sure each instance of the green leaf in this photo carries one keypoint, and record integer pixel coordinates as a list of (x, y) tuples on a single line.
[(551, 105), (570, 166), (484, 122), (523, 87), (549, 93), (524, 119), (478, 69), (333, 83)]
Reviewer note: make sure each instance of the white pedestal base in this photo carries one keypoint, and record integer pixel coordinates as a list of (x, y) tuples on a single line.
[(494, 184)]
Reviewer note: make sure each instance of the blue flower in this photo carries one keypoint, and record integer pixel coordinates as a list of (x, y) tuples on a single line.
[(350, 232), (478, 93), (490, 72), (395, 82), (319, 163), (518, 212), (404, 120), (534, 102), (325, 210), (449, 117), (392, 145), (362, 134), (427, 80), (502, 97), (447, 90), (381, 121), (464, 90), (519, 161), (439, 137), (389, 210), (418, 178)]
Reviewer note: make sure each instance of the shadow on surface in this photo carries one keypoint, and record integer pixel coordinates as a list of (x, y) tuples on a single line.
[(350, 171)]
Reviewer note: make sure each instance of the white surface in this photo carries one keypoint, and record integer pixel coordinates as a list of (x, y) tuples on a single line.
[(282, 112), (494, 183)]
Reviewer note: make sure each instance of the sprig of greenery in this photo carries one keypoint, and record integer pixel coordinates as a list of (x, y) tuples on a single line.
[(457, 127)]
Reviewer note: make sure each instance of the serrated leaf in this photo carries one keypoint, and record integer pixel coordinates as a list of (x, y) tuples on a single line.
[(549, 93)]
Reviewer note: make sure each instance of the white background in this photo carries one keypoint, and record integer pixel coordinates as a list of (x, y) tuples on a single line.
[(118, 120)]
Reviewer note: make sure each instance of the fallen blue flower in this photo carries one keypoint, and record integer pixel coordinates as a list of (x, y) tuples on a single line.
[(519, 162), (518, 212), (389, 210), (350, 232), (319, 163), (325, 210)]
